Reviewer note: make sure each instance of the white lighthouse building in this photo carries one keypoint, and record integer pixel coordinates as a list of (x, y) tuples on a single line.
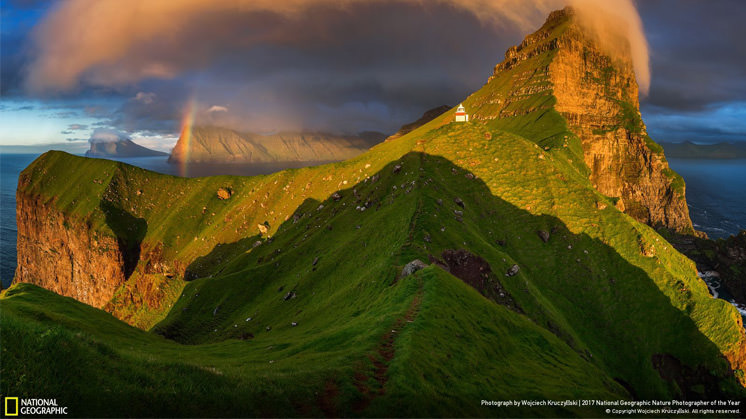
[(461, 115)]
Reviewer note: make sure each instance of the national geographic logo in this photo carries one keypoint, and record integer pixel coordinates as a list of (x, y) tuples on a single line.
[(14, 406), (11, 406)]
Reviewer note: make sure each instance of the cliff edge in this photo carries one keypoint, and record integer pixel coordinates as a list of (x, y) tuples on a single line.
[(561, 74)]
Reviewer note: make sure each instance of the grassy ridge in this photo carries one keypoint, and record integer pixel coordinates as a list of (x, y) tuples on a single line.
[(312, 317), (588, 294), (100, 366)]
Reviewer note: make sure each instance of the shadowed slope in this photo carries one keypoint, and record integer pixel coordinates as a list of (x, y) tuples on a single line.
[(288, 287), (589, 318)]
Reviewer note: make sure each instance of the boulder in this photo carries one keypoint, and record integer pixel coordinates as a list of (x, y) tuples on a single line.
[(543, 235), (413, 267), (513, 271), (224, 193)]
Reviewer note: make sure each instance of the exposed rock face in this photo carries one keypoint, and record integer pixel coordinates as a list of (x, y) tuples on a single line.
[(723, 258), (222, 145), (598, 96), (121, 148), (113, 269), (476, 272), (60, 254)]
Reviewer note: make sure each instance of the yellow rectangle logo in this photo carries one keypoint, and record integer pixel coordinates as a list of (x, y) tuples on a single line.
[(11, 409)]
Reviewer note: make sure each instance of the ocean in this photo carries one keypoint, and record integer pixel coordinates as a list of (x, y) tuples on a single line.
[(716, 193), (11, 166)]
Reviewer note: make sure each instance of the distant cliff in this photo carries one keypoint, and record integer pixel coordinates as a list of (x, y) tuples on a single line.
[(222, 145), (120, 148), (719, 151)]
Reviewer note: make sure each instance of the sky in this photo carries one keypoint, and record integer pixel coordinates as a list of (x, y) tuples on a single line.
[(72, 70)]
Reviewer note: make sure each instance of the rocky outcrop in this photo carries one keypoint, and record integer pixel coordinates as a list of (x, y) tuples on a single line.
[(62, 254), (120, 148), (412, 267), (724, 259), (598, 97), (476, 272), (222, 145)]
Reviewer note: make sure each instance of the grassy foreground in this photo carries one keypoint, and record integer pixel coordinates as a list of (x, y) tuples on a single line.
[(586, 320), (283, 295)]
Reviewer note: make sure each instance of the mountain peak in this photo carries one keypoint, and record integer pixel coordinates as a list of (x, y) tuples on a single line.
[(565, 75), (567, 12)]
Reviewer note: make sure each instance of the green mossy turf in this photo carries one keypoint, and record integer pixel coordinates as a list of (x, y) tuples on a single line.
[(596, 302)]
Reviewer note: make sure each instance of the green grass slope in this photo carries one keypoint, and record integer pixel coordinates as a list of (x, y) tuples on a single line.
[(287, 298), (592, 307), (99, 366)]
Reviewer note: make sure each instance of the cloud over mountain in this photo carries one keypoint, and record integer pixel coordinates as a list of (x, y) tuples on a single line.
[(104, 43)]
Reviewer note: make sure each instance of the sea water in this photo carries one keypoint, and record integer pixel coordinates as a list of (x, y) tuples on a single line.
[(716, 194)]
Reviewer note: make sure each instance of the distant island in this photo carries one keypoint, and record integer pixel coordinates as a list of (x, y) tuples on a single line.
[(690, 150), (120, 148)]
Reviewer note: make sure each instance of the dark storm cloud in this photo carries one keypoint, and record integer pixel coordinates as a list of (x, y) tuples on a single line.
[(339, 65), (368, 67), (698, 53), (359, 66), (156, 108), (17, 19), (13, 63), (715, 123)]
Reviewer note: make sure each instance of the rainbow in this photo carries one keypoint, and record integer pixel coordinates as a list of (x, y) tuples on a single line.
[(187, 122)]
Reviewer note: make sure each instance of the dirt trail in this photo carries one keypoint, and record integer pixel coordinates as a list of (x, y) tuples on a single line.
[(383, 354)]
